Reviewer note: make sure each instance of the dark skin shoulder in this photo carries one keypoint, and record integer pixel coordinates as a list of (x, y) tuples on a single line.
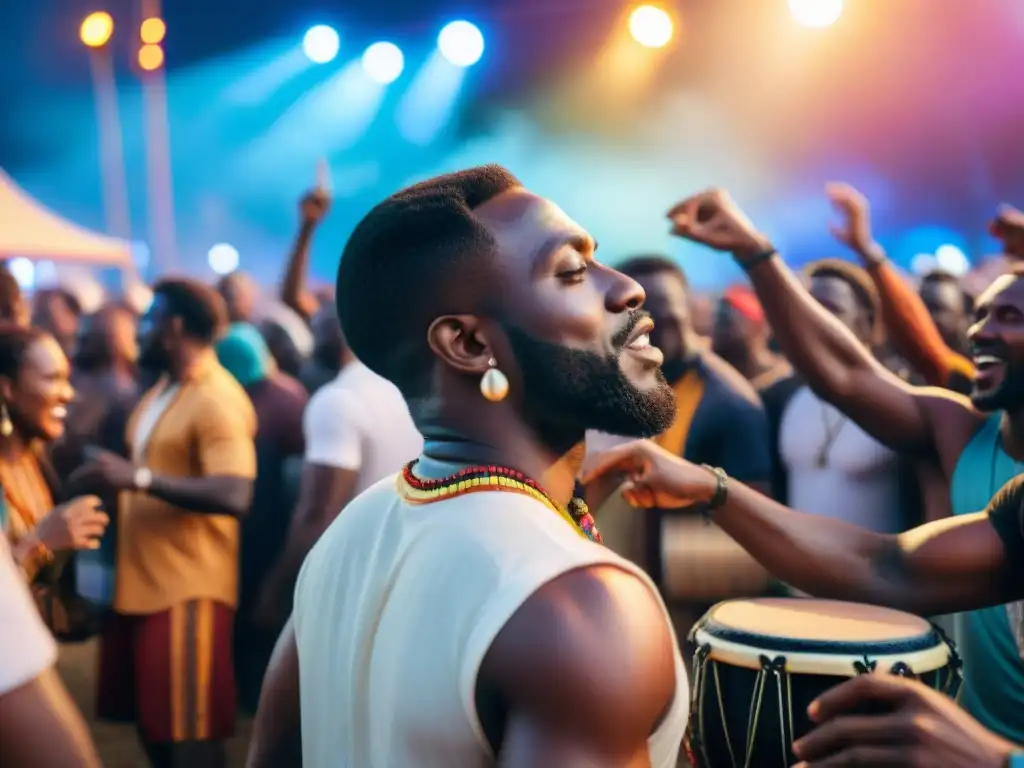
[(584, 672)]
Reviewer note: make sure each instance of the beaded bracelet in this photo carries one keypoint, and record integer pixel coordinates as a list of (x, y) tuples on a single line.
[(36, 549), (721, 488), (757, 258)]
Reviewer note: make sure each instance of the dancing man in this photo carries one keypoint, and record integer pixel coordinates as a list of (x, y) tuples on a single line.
[(459, 614), (977, 445)]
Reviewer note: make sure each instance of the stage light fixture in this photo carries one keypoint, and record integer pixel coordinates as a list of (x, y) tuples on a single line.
[(952, 259), (96, 29), (151, 57), (461, 43), (383, 62), (153, 31), (816, 13), (651, 26), (321, 44), (223, 258)]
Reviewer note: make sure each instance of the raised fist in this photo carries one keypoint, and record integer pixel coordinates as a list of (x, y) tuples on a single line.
[(713, 218), (314, 205)]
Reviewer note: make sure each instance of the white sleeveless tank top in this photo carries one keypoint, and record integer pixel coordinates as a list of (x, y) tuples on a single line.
[(396, 606)]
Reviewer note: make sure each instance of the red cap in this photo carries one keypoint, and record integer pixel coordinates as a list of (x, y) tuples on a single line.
[(744, 301)]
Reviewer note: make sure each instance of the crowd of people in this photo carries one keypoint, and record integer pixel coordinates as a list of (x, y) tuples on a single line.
[(458, 509)]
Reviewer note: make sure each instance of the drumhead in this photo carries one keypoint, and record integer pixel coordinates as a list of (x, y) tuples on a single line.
[(819, 636)]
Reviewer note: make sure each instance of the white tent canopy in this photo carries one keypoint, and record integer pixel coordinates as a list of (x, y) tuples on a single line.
[(30, 230)]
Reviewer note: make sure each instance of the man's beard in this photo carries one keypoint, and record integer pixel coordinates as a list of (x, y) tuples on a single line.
[(153, 358), (568, 391), (1008, 395)]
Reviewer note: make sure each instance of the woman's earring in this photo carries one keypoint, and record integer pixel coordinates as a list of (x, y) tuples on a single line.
[(493, 384), (6, 428)]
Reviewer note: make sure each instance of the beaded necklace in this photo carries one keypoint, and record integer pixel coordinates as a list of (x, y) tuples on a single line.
[(495, 478)]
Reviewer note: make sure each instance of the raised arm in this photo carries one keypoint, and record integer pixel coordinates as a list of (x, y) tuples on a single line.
[(961, 563), (587, 672), (910, 327), (825, 353), (293, 283)]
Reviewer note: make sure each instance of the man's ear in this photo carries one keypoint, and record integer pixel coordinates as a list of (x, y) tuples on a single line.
[(176, 328), (462, 342)]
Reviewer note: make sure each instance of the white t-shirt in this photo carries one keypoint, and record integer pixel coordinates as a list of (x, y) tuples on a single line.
[(26, 647), (835, 468), (360, 422), (395, 608)]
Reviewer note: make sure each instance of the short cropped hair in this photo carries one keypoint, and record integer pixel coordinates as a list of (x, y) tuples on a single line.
[(857, 278), (942, 277), (201, 309), (417, 255), (651, 264)]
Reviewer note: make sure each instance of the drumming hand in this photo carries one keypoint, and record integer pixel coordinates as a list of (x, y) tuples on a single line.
[(921, 727), (656, 478)]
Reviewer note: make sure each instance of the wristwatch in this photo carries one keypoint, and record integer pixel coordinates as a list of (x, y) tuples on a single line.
[(142, 479)]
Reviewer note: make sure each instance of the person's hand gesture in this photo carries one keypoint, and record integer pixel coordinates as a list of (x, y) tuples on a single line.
[(854, 229), (314, 205), (921, 727), (713, 218), (103, 471), (78, 524), (655, 477), (1008, 226)]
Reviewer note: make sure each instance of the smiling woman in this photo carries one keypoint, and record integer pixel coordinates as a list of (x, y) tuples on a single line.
[(34, 393)]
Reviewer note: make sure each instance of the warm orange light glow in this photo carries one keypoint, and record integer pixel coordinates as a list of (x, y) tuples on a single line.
[(153, 31), (151, 57), (651, 26), (97, 29)]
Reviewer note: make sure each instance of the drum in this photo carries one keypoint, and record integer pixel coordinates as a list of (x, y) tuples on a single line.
[(759, 663)]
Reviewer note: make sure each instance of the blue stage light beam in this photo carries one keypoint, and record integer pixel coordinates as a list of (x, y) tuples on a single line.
[(427, 107), (329, 118)]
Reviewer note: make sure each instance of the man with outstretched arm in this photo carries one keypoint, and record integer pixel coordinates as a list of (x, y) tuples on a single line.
[(977, 445), (961, 563)]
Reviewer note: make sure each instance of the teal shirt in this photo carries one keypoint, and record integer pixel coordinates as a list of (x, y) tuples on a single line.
[(993, 690)]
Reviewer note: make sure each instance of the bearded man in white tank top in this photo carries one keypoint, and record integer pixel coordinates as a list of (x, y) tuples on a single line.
[(463, 613)]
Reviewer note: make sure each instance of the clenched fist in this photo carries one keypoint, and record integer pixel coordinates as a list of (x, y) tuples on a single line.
[(78, 524), (713, 218), (314, 205), (656, 477)]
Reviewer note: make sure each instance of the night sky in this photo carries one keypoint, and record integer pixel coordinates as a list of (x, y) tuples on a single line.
[(922, 96)]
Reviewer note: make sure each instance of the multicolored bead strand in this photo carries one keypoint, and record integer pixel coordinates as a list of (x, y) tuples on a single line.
[(495, 478)]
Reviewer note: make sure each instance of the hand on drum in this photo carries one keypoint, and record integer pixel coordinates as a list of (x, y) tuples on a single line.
[(920, 727), (656, 478)]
